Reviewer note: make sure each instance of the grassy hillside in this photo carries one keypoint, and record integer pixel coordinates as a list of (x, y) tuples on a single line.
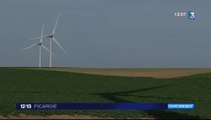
[(24, 85)]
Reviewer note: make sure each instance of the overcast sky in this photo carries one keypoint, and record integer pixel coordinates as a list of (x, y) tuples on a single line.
[(108, 33)]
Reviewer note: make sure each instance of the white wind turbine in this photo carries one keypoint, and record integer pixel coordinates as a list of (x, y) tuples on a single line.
[(52, 38), (40, 44)]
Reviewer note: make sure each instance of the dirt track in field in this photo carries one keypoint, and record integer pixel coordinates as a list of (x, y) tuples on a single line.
[(74, 117), (136, 72), (23, 116)]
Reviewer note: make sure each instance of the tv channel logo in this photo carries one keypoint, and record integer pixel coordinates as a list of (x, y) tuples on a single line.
[(181, 106), (191, 15)]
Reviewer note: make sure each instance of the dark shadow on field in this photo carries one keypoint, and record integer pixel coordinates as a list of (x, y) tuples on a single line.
[(113, 96), (164, 98), (163, 114)]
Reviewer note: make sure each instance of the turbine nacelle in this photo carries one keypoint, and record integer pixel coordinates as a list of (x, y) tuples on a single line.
[(50, 36), (40, 44)]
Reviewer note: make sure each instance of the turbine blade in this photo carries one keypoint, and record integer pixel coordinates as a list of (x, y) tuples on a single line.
[(42, 30), (30, 47), (47, 49), (39, 37), (54, 29), (35, 38), (59, 45)]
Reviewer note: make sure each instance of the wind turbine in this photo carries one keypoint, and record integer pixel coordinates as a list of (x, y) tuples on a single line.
[(52, 38), (40, 44)]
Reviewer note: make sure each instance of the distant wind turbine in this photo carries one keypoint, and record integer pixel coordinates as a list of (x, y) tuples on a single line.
[(40, 44)]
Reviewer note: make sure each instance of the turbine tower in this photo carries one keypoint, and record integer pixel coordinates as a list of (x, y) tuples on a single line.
[(52, 38), (40, 44)]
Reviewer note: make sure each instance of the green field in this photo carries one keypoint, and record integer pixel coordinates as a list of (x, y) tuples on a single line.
[(25, 85)]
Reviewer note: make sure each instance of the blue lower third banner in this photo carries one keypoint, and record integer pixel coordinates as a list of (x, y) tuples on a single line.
[(104, 106)]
